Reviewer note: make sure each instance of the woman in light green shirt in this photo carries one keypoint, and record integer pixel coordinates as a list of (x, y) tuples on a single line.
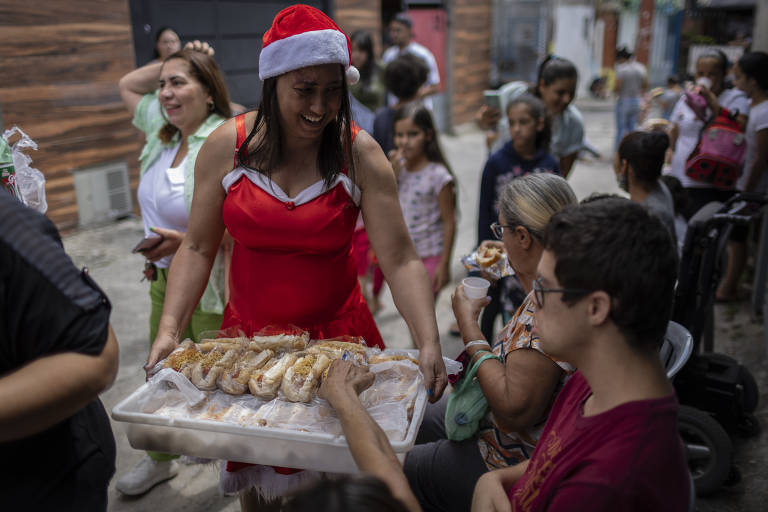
[(191, 101)]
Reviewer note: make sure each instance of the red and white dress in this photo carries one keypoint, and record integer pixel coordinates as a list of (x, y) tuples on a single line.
[(293, 260), (292, 264)]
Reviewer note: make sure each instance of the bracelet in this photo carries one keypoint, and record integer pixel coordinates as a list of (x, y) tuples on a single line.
[(475, 343)]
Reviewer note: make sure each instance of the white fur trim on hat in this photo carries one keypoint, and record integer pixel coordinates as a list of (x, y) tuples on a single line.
[(353, 75), (302, 50)]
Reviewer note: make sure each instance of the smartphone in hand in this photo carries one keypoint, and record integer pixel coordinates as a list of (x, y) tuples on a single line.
[(148, 242), (492, 99)]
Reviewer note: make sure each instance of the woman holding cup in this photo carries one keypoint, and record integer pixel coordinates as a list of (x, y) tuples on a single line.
[(520, 386)]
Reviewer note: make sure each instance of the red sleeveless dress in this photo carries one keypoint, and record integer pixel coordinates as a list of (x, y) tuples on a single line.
[(293, 260)]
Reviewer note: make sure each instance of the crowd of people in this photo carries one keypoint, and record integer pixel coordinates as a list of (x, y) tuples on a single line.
[(243, 213)]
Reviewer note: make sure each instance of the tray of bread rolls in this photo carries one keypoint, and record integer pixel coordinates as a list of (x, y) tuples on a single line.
[(254, 399)]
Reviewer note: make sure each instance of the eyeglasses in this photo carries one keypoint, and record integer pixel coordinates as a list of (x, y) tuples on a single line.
[(539, 291), (498, 230)]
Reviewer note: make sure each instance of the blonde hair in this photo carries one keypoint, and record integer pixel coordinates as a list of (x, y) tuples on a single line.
[(531, 200)]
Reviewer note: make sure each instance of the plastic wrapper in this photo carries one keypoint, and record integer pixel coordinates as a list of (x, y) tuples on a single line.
[(390, 400), (497, 270), (169, 414), (18, 176)]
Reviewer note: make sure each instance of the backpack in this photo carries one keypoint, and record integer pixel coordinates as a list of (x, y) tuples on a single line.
[(718, 157)]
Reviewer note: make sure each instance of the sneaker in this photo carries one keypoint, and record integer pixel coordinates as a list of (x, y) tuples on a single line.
[(147, 473)]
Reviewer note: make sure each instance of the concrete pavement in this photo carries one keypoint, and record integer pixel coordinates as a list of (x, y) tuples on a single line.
[(106, 251)]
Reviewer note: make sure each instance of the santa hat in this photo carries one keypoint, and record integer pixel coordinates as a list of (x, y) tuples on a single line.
[(303, 36)]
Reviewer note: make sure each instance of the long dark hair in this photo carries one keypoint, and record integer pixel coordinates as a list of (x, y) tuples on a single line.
[(205, 70), (363, 40), (335, 151), (421, 117), (158, 34), (538, 111), (755, 65), (555, 68)]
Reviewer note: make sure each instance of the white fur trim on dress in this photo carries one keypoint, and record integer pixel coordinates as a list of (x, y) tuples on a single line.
[(308, 194), (306, 49), (264, 480)]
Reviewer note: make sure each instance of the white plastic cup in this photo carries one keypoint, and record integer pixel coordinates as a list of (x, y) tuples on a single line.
[(704, 81), (475, 287)]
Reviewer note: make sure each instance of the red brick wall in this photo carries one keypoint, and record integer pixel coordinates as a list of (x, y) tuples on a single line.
[(471, 66), (610, 36), (353, 15)]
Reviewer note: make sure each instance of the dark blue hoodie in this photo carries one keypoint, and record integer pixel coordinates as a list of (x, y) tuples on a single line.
[(501, 167)]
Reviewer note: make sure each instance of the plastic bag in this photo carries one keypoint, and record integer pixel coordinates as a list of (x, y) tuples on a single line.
[(466, 404), (24, 181), (498, 270)]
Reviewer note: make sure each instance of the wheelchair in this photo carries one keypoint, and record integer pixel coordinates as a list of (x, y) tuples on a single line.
[(717, 394)]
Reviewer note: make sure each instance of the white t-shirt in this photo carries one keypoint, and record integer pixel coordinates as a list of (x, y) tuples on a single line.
[(418, 192), (161, 197), (689, 127), (758, 120), (421, 51)]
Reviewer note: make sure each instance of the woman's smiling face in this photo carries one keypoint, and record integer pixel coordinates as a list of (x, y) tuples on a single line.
[(184, 99), (309, 98)]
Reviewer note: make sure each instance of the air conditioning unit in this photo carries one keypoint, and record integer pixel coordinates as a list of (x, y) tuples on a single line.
[(103, 193)]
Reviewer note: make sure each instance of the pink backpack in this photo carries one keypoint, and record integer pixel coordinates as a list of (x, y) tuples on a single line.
[(719, 155)]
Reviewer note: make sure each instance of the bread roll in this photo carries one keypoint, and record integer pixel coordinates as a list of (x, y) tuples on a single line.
[(235, 380)]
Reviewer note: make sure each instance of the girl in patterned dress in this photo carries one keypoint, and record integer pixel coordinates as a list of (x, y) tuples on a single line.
[(426, 190)]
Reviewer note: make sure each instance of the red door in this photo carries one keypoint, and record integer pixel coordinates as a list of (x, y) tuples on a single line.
[(429, 29)]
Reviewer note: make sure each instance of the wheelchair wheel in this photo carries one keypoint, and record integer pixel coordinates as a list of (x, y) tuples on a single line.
[(708, 449), (749, 387)]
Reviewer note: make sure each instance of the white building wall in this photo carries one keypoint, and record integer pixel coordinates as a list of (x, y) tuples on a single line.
[(574, 39)]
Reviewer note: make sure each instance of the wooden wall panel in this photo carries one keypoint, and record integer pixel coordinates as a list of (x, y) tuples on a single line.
[(471, 33), (65, 59)]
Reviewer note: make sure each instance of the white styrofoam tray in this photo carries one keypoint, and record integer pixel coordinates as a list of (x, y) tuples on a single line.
[(258, 445)]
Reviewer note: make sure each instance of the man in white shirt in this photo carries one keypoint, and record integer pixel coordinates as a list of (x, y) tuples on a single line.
[(401, 35)]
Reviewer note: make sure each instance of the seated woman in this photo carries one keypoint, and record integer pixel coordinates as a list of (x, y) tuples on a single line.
[(637, 165), (521, 387)]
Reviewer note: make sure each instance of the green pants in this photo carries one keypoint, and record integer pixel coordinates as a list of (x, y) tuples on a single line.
[(199, 323)]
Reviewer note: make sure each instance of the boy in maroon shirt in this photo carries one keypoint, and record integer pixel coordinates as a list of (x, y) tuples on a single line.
[(604, 297)]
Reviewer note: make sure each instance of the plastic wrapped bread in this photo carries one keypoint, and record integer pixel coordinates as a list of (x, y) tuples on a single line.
[(206, 373), (223, 344), (302, 378), (184, 358), (265, 381), (336, 349), (284, 342), (235, 380)]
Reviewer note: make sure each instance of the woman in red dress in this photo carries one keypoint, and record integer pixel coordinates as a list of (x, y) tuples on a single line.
[(301, 175)]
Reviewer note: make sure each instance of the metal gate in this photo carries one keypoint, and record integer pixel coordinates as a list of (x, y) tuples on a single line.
[(519, 39), (233, 27)]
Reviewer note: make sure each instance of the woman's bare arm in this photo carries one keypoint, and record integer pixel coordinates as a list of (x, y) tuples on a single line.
[(518, 392), (368, 443), (139, 82)]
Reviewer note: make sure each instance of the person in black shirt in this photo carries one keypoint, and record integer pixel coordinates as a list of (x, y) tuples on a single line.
[(57, 353)]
